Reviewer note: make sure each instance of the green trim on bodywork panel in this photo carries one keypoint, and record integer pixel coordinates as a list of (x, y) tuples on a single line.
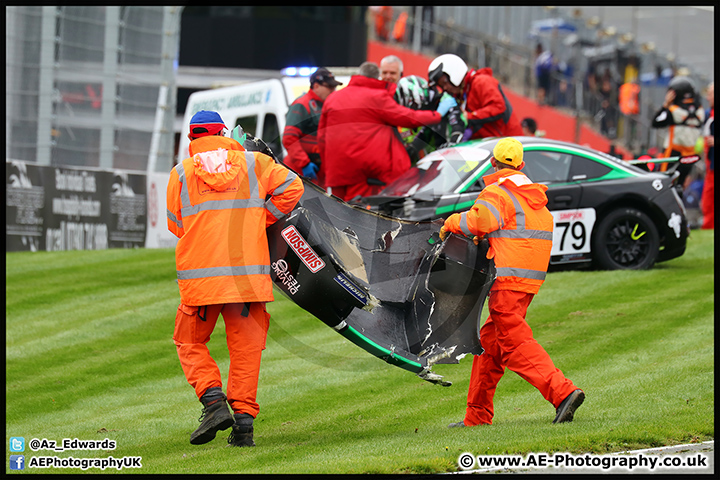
[(454, 207), (383, 353)]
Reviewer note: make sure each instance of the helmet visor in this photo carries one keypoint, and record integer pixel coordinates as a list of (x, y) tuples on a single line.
[(435, 75)]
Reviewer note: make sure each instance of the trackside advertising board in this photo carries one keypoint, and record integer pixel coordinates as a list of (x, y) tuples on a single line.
[(67, 208)]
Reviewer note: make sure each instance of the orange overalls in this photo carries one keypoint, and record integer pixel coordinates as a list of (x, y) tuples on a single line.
[(511, 212), (216, 205)]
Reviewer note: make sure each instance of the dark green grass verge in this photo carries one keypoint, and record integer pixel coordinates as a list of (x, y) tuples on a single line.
[(89, 355)]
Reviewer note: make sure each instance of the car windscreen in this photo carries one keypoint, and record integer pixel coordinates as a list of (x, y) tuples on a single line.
[(438, 173)]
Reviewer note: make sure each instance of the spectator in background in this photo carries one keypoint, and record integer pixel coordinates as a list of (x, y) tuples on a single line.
[(487, 109), (529, 126), (383, 18), (358, 137), (607, 114), (682, 115), (391, 69), (543, 73), (614, 152), (400, 27), (591, 87), (707, 202), (301, 125), (629, 103), (564, 90), (629, 97)]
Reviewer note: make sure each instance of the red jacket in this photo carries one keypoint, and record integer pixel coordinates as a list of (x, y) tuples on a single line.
[(487, 109), (358, 135), (300, 134)]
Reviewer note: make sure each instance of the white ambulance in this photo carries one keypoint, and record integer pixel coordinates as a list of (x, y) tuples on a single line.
[(259, 107)]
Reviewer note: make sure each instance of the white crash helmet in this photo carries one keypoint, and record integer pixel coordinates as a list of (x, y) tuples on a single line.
[(412, 92), (452, 65)]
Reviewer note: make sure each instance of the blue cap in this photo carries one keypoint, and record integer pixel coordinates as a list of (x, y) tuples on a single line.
[(206, 122)]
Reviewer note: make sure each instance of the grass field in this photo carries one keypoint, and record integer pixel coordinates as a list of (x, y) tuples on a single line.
[(89, 355)]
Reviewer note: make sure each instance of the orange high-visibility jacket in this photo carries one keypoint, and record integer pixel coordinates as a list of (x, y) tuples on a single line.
[(511, 212), (216, 205), (628, 98)]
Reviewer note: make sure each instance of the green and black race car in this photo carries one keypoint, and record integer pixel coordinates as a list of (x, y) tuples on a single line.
[(608, 213)]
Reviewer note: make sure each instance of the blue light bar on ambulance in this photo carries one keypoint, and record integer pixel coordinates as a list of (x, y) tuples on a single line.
[(298, 71)]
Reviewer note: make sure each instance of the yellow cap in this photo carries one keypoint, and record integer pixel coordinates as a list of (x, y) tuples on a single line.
[(509, 151)]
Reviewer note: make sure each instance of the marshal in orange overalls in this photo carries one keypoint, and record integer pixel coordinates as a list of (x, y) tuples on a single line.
[(511, 213), (216, 205)]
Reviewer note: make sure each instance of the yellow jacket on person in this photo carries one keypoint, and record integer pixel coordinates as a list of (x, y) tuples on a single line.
[(217, 207), (511, 212)]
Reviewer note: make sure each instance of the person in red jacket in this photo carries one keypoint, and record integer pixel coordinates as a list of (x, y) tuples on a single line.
[(487, 109), (358, 137), (219, 203), (707, 203), (511, 212), (301, 124)]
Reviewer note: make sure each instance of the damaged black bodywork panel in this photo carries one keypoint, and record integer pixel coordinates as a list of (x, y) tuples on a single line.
[(387, 285)]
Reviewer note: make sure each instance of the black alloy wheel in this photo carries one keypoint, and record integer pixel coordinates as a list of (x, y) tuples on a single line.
[(626, 239)]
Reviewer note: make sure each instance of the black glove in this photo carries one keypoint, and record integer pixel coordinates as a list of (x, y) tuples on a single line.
[(454, 139)]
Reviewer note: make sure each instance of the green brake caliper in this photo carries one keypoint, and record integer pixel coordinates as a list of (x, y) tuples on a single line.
[(634, 234)]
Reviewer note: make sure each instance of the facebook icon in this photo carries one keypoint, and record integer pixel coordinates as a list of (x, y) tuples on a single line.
[(17, 462)]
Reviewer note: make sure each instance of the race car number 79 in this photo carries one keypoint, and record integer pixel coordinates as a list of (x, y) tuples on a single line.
[(572, 231)]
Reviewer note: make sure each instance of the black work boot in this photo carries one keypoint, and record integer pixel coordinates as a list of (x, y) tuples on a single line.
[(566, 410), (215, 416), (242, 431)]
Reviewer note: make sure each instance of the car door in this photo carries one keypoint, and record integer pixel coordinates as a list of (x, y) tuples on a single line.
[(556, 168)]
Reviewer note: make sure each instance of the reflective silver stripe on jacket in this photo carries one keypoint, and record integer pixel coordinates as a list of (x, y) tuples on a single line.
[(519, 212), (464, 225), (223, 272), (222, 205), (184, 192), (291, 176), (531, 234), (269, 206), (520, 232), (252, 176), (493, 209), (521, 272), (171, 216), (272, 209)]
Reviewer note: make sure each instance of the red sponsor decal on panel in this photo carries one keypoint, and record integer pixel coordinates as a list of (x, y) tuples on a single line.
[(302, 249), (578, 215)]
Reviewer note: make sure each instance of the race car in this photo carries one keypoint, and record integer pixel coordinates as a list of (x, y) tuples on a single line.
[(609, 213)]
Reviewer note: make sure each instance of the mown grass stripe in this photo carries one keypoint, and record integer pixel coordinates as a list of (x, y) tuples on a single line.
[(89, 354)]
